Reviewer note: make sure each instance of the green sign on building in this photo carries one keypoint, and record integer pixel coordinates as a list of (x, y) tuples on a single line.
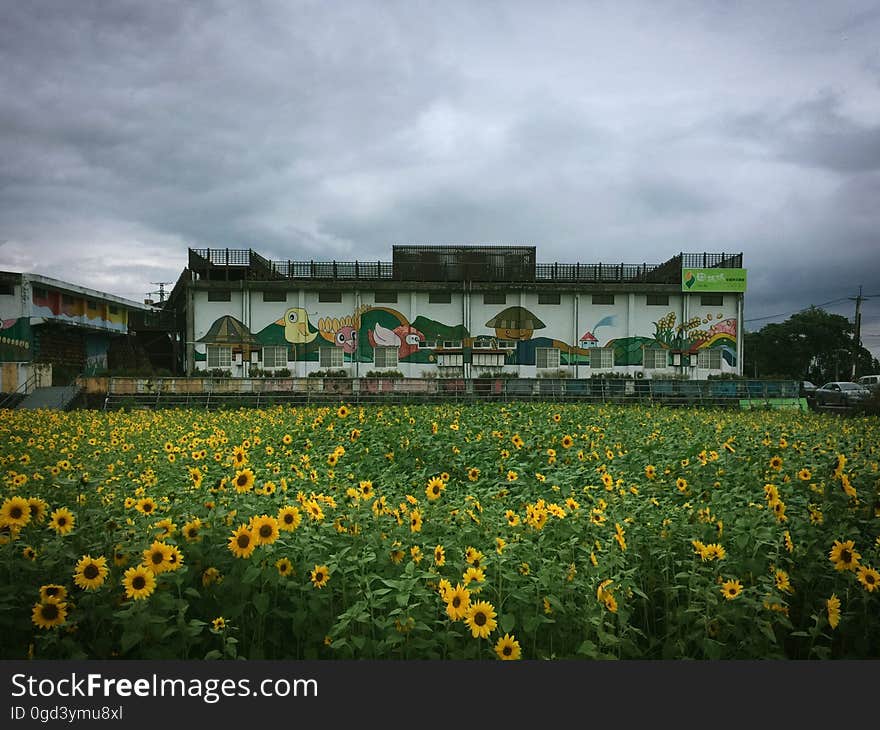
[(713, 280)]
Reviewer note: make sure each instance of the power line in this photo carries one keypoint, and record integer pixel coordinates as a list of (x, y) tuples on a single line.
[(803, 309)]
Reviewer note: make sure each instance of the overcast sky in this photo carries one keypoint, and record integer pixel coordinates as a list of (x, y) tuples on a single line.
[(595, 131)]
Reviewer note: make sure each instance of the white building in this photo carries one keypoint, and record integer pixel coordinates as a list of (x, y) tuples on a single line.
[(462, 311)]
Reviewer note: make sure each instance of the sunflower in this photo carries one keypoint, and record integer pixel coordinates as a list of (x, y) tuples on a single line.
[(415, 521), (782, 581), (52, 592), (366, 489), (62, 521), (730, 589), (480, 619), (242, 543), (38, 508), (48, 614), (211, 575), (175, 558), (284, 567), (833, 607), (139, 582), (650, 471), (473, 574), (869, 578), (239, 456), (681, 484), (90, 572), (15, 512), (146, 506), (458, 600), (264, 529), (776, 463), (191, 530), (343, 411), (473, 474), (844, 555), (439, 556), (244, 481), (289, 518), (166, 528), (805, 475), (512, 476), (29, 553), (119, 556), (286, 439), (839, 464), (157, 557), (512, 518), (319, 576), (435, 488), (218, 624), (507, 648)]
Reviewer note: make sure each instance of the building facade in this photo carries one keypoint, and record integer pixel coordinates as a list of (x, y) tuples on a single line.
[(46, 321), (460, 311)]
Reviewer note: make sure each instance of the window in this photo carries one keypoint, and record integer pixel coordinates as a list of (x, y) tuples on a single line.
[(274, 296), (506, 344), (484, 343), (439, 297), (547, 357), (601, 357), (219, 295), (709, 358), (331, 357), (488, 359), (329, 295), (446, 359), (7, 288), (712, 300), (657, 300), (603, 299), (494, 297), (113, 309), (451, 344), (92, 305), (385, 297), (219, 356), (655, 357), (427, 344), (549, 298), (274, 357), (385, 357)]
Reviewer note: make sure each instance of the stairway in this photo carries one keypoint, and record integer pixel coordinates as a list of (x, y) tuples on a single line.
[(55, 397)]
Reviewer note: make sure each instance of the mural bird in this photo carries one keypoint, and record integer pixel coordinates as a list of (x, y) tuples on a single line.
[(405, 338), (296, 326)]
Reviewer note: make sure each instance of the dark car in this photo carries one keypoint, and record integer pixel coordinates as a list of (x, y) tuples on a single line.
[(841, 394)]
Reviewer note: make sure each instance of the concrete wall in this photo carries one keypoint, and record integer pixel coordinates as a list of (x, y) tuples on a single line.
[(575, 327)]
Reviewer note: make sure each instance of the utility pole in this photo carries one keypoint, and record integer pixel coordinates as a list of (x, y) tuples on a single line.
[(857, 331), (161, 291)]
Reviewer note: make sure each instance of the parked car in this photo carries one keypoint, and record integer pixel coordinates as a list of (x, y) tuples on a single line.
[(871, 382), (840, 394)]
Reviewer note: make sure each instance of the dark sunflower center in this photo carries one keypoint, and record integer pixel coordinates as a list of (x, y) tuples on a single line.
[(49, 611), (52, 591), (243, 541), (91, 571), (869, 578), (15, 513), (139, 582), (846, 556), (480, 618), (62, 521), (507, 650), (193, 531), (456, 602), (288, 519), (157, 557), (319, 577), (148, 507), (436, 489), (242, 480), (265, 531)]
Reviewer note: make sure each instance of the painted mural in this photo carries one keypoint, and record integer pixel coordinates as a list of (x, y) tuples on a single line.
[(419, 341), (75, 310), (15, 339)]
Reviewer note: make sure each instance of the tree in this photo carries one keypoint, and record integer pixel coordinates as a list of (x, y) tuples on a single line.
[(810, 345)]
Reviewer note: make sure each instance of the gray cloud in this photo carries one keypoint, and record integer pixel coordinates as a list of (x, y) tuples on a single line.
[(597, 132)]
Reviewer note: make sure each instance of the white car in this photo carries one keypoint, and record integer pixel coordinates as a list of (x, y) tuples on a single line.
[(871, 382)]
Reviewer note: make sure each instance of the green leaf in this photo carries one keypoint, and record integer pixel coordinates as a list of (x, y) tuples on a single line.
[(507, 622), (261, 603)]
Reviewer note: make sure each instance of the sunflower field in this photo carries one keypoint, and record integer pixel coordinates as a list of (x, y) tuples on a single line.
[(518, 531)]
